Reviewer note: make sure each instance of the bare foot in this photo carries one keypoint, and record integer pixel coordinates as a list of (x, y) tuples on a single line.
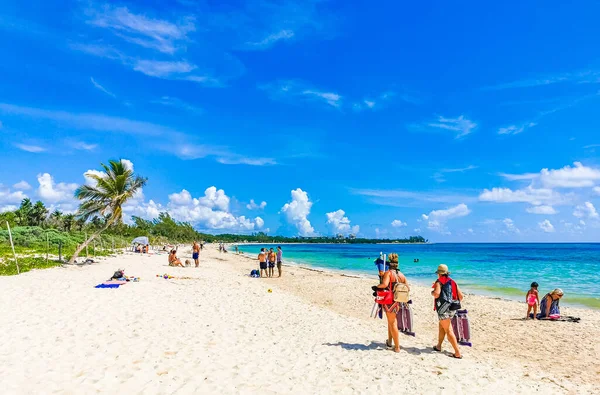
[(397, 349)]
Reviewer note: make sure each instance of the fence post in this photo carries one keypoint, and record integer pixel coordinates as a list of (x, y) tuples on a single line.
[(47, 247), (60, 251), (13, 247), (87, 255)]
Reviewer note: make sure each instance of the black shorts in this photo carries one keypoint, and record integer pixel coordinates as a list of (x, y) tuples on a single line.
[(271, 264), (263, 265)]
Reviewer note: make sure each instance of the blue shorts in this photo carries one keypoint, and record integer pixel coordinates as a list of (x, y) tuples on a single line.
[(195, 255), (271, 264)]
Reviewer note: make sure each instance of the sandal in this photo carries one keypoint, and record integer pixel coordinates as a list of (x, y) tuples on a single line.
[(437, 349), (388, 345), (454, 356)]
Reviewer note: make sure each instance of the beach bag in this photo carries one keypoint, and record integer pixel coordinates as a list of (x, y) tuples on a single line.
[(385, 296), (401, 293)]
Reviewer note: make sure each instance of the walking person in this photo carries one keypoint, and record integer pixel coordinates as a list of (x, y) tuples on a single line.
[(447, 296), (279, 257), (390, 278), (196, 253)]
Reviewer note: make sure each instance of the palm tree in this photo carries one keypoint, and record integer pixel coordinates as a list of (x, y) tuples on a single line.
[(113, 188)]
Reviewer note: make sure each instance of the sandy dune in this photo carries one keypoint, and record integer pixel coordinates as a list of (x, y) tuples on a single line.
[(224, 332)]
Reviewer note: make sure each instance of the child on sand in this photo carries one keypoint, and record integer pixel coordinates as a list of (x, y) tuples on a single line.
[(533, 300)]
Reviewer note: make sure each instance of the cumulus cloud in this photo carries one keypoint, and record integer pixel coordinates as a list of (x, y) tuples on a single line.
[(398, 223), (546, 226), (22, 185), (340, 223), (544, 209), (9, 197), (52, 192), (576, 176), (586, 210), (297, 211), (253, 206), (437, 218), (210, 211)]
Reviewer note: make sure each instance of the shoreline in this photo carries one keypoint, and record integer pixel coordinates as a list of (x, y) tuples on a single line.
[(311, 327), (486, 293)]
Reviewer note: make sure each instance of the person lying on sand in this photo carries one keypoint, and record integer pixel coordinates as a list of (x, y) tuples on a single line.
[(173, 260)]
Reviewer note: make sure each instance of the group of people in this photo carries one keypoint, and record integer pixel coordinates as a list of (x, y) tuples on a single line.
[(446, 294), (447, 297), (267, 259), (549, 306), (142, 249), (196, 248)]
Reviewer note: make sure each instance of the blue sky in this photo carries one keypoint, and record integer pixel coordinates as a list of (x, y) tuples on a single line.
[(459, 122)]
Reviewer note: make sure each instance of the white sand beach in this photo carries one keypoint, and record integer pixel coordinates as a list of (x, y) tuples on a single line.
[(222, 331)]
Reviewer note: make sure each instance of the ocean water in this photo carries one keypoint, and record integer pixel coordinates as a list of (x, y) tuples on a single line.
[(503, 270)]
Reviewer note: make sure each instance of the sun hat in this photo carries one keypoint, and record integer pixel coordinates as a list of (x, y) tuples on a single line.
[(442, 269)]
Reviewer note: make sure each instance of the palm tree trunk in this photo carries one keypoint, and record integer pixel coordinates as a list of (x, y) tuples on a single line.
[(88, 241)]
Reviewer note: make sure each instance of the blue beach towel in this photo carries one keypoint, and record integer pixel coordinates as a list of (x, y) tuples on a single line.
[(108, 285)]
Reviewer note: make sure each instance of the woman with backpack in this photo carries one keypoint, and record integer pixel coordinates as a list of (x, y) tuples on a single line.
[(389, 280), (447, 297)]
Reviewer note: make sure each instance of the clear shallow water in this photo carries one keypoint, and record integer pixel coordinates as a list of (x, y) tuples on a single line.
[(504, 270)]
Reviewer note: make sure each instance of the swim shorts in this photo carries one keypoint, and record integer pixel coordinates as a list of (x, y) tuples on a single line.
[(195, 255), (279, 264), (448, 315), (271, 264), (263, 265)]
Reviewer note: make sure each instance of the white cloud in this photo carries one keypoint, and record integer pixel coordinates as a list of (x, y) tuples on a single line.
[(340, 223), (210, 211), (398, 223), (234, 159), (158, 34), (259, 222), (51, 192), (530, 195), (290, 89), (460, 210), (586, 210), (545, 210), (439, 175), (510, 225), (10, 207), (30, 148), (271, 39), (127, 164), (404, 198), (163, 69), (546, 226), (461, 125), (9, 197), (22, 185), (516, 129), (253, 206), (297, 211), (597, 190), (82, 145), (101, 88), (437, 218), (578, 176)]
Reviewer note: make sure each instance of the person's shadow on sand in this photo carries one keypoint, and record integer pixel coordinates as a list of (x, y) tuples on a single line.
[(377, 346)]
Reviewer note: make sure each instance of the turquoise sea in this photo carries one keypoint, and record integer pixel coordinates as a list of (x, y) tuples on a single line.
[(504, 270)]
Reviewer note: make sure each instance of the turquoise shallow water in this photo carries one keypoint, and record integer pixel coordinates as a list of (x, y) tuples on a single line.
[(504, 270)]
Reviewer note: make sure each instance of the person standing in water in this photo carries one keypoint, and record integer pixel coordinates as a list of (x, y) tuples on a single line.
[(196, 253)]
